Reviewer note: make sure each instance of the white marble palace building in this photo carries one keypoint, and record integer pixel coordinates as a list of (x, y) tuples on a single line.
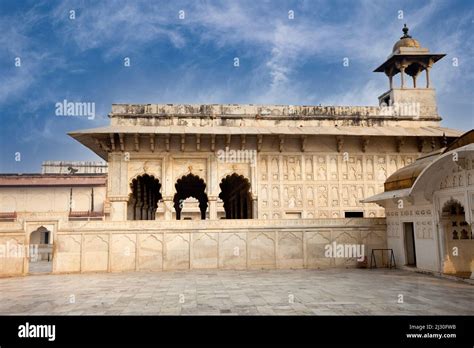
[(297, 178)]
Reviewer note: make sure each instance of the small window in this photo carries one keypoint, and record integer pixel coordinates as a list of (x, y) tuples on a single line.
[(293, 215), (354, 214)]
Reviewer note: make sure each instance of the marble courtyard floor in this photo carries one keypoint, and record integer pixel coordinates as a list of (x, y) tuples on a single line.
[(222, 292)]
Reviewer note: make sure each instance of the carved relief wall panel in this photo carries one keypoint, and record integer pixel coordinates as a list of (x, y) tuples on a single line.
[(323, 185)]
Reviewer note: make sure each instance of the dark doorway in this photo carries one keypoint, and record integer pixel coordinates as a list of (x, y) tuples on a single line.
[(143, 202), (409, 234), (190, 186), (235, 192)]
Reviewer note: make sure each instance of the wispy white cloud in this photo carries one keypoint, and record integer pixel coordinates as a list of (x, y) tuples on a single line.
[(295, 61)]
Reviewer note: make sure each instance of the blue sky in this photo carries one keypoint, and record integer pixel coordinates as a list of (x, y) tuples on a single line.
[(190, 60)]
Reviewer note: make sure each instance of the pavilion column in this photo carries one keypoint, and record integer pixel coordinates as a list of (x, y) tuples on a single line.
[(427, 77), (138, 204), (118, 208), (213, 207), (118, 195), (168, 205), (131, 212), (150, 204), (402, 76), (144, 207), (390, 81), (254, 208), (237, 207)]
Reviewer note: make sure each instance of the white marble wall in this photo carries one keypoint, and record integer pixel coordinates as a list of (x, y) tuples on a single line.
[(107, 246)]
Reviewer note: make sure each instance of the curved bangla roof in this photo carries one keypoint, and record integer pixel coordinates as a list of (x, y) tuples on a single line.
[(406, 176), (403, 182)]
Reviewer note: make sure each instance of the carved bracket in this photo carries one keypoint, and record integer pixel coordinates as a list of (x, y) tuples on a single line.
[(102, 145), (364, 143), (282, 141), (112, 141), (152, 142), (242, 141), (137, 142), (303, 143), (122, 146), (183, 141), (400, 142), (421, 143), (340, 143), (167, 143), (213, 142), (259, 142)]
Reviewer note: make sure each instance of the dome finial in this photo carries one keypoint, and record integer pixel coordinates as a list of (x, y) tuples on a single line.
[(405, 32)]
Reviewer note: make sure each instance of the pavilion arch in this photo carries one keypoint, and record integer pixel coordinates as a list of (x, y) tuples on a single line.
[(190, 186), (235, 192), (143, 201), (454, 215)]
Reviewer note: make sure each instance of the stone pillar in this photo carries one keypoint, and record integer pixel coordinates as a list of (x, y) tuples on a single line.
[(168, 206), (428, 77), (118, 208), (254, 208), (212, 207), (117, 190), (241, 205), (402, 72), (145, 203)]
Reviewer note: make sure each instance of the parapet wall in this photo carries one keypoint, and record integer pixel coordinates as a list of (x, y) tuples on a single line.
[(409, 110), (106, 246)]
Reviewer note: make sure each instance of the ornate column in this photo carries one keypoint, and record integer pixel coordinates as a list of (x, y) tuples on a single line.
[(428, 76), (144, 207), (118, 208), (212, 207), (168, 207), (213, 185), (167, 188), (254, 208), (117, 187), (402, 72)]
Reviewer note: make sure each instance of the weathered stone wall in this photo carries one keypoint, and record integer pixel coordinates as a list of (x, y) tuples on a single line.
[(50, 200), (12, 242)]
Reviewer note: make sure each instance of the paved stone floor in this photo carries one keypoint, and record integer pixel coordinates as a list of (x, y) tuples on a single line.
[(259, 292)]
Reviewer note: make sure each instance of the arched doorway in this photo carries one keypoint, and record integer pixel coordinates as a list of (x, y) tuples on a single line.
[(190, 186), (457, 238), (40, 254), (235, 192), (144, 198)]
